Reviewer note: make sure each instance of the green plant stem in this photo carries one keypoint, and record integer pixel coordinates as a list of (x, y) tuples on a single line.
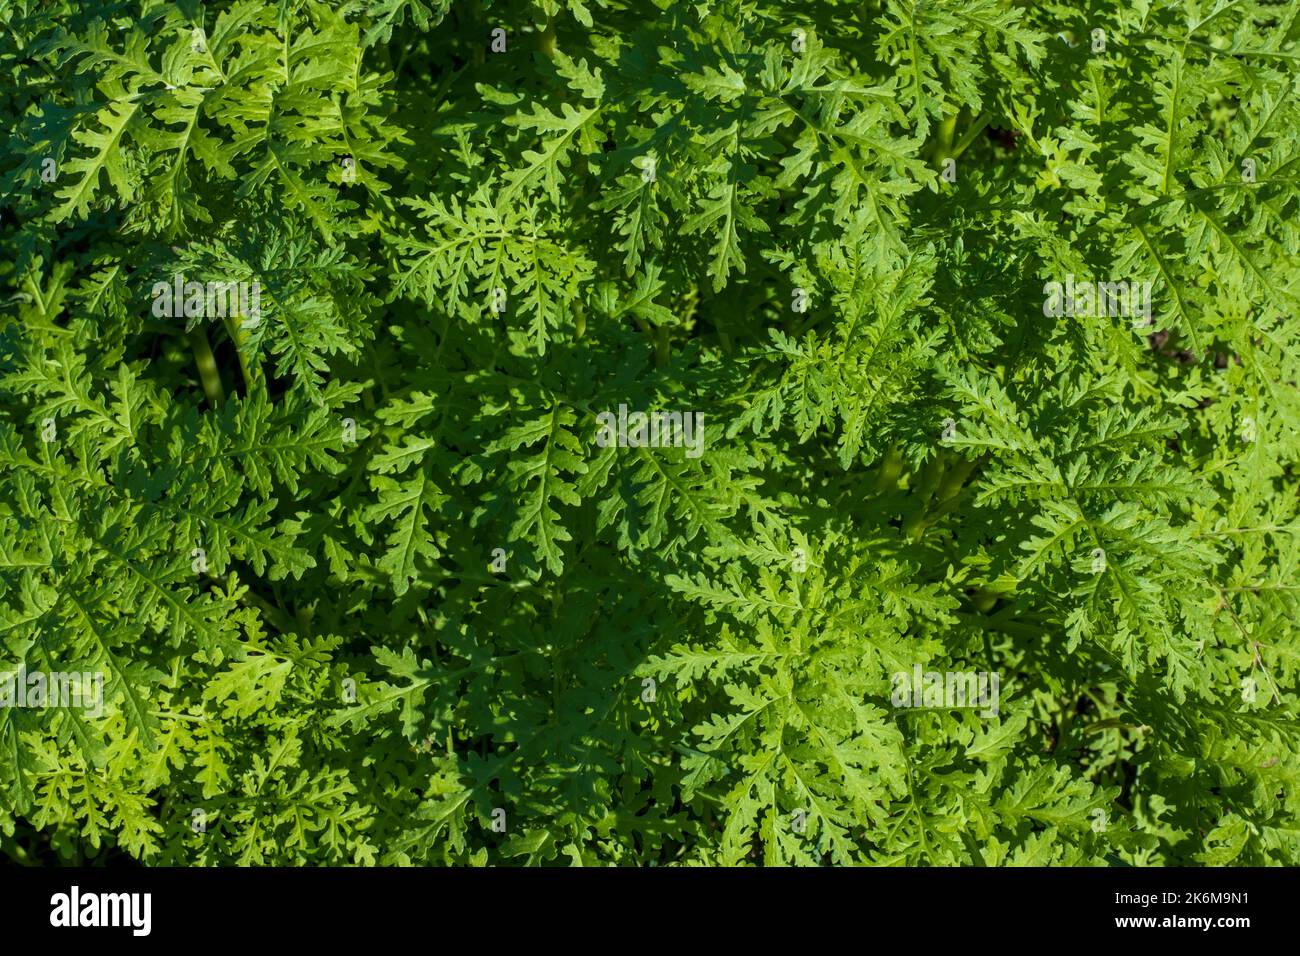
[(15, 852), (922, 492), (890, 470), (239, 338), (976, 128), (209, 374), (947, 129), (945, 499)]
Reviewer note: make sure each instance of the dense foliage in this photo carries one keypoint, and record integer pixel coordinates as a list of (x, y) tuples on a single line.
[(365, 586)]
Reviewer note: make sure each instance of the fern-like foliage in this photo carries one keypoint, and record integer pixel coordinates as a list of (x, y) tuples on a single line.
[(368, 583)]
